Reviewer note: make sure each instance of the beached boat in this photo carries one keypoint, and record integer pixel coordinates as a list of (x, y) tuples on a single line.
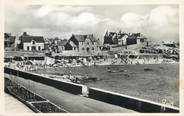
[(112, 71)]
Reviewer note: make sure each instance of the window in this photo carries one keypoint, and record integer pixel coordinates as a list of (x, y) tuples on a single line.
[(27, 48), (142, 40), (39, 48), (87, 49), (33, 48)]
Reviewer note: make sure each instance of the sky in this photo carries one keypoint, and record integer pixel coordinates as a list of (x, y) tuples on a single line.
[(157, 22)]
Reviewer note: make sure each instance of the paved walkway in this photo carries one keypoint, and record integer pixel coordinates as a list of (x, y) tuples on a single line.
[(12, 105), (71, 103)]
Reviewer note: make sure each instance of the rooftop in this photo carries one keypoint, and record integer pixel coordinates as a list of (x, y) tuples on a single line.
[(28, 39), (82, 38)]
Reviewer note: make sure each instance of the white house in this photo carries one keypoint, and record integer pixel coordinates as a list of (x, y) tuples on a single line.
[(32, 43), (122, 40)]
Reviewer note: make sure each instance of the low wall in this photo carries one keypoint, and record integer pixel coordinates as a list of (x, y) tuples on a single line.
[(122, 100), (65, 86), (129, 102), (30, 100)]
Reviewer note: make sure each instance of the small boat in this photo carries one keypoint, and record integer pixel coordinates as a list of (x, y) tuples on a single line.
[(122, 70), (112, 71)]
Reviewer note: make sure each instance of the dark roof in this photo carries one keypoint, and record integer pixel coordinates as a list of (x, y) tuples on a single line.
[(79, 38), (6, 35), (132, 36), (137, 35), (82, 38), (10, 39), (121, 35), (62, 42), (142, 36), (28, 39)]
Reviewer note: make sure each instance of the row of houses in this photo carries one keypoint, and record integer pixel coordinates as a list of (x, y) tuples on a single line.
[(76, 43), (84, 44), (123, 39)]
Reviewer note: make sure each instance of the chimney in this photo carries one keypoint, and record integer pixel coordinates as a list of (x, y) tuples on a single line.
[(24, 33)]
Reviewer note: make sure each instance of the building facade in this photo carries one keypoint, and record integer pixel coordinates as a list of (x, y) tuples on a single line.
[(115, 38), (61, 45), (32, 43), (123, 39), (9, 41), (83, 44)]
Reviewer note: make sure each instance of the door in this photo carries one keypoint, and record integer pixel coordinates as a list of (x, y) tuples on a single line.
[(87, 49), (33, 48)]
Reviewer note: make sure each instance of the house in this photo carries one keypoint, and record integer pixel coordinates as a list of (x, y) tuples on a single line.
[(9, 41), (136, 38), (61, 44), (114, 38), (55, 40), (47, 44), (83, 43), (108, 38), (123, 39), (141, 38), (31, 43)]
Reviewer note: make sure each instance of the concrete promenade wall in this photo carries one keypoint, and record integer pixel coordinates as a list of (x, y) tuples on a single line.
[(121, 100), (65, 86), (28, 100), (129, 102)]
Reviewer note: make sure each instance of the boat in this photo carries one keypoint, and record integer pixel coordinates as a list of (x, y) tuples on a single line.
[(112, 71)]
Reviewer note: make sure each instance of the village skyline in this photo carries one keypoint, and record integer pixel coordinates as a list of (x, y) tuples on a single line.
[(84, 58), (63, 21)]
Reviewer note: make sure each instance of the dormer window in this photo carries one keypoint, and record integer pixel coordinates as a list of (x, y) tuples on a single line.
[(33, 42)]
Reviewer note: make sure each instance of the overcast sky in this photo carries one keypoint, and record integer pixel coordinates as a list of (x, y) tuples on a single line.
[(157, 22)]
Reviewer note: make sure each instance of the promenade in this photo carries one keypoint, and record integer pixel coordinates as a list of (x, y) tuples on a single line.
[(12, 105), (69, 102)]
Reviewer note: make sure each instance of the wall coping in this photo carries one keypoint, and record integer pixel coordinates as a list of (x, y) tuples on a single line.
[(135, 98)]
